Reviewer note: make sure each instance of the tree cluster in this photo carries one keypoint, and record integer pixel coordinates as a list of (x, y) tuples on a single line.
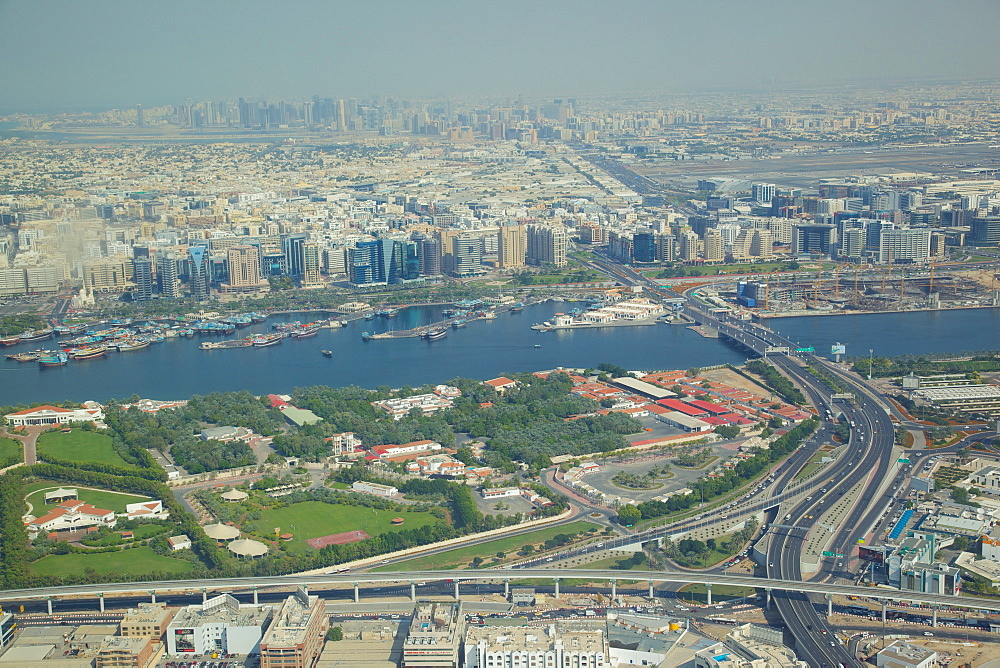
[(773, 379)]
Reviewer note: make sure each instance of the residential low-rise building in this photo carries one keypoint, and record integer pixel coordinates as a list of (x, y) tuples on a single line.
[(374, 488), (147, 620), (506, 647), (41, 415), (904, 655), (127, 652), (499, 492), (181, 542), (400, 407), (71, 516)]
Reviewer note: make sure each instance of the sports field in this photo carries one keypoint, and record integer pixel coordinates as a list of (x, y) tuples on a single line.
[(79, 446), (135, 561), (311, 519)]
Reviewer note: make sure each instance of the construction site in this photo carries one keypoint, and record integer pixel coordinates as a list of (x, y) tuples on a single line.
[(861, 289)]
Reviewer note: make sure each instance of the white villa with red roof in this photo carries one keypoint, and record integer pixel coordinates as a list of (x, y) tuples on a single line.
[(55, 415), (71, 516)]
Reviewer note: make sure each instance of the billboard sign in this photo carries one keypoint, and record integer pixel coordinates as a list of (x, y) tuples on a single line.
[(871, 554)]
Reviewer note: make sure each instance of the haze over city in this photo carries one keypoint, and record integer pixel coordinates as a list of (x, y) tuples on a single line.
[(392, 334), (74, 55)]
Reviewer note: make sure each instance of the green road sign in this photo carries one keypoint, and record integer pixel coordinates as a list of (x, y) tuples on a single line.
[(805, 350), (903, 460), (830, 554)]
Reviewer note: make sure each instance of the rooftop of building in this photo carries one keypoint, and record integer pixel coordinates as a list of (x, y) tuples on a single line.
[(222, 609), (290, 624)]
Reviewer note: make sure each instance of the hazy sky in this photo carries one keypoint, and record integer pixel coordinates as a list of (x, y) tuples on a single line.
[(104, 53)]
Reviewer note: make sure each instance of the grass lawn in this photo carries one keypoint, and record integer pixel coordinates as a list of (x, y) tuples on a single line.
[(312, 519), (617, 564), (99, 498), (79, 446), (10, 450), (696, 593), (460, 557), (811, 466), (136, 561)]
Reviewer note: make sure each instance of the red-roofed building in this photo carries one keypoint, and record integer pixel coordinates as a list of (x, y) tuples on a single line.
[(53, 415), (417, 448), (277, 402), (71, 516), (734, 418), (714, 421), (682, 407), (708, 407), (501, 384)]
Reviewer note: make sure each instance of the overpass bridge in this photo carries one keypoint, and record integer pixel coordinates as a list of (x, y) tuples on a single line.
[(330, 580)]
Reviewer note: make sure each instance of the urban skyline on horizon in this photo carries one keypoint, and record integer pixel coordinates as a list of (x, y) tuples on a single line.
[(120, 54)]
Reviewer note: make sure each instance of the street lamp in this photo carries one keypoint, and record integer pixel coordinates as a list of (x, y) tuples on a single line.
[(870, 352)]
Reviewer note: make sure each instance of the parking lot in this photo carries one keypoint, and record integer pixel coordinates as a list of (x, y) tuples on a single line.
[(681, 478)]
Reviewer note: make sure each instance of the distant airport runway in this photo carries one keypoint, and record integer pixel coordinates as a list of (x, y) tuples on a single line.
[(807, 170)]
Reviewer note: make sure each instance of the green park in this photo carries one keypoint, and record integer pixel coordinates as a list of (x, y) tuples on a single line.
[(79, 445), (137, 561)]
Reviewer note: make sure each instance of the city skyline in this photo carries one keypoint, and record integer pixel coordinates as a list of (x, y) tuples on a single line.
[(99, 55)]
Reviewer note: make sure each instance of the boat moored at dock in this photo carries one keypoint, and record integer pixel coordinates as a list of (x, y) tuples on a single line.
[(435, 334), (58, 358)]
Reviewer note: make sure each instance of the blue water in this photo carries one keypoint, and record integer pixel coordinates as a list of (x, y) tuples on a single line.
[(888, 334), (177, 368)]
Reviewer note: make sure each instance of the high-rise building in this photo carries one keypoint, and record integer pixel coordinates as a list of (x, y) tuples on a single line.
[(384, 262), (715, 246), (689, 245), (311, 264), (467, 250), (666, 248), (295, 636), (293, 248), (813, 239), (199, 272), (244, 269), (166, 272), (762, 244), (430, 257), (909, 245), (106, 275), (512, 246), (142, 275), (985, 231), (762, 193), (852, 243), (644, 246), (547, 244)]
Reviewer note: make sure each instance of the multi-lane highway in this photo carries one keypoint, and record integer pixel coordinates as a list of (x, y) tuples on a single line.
[(866, 462)]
